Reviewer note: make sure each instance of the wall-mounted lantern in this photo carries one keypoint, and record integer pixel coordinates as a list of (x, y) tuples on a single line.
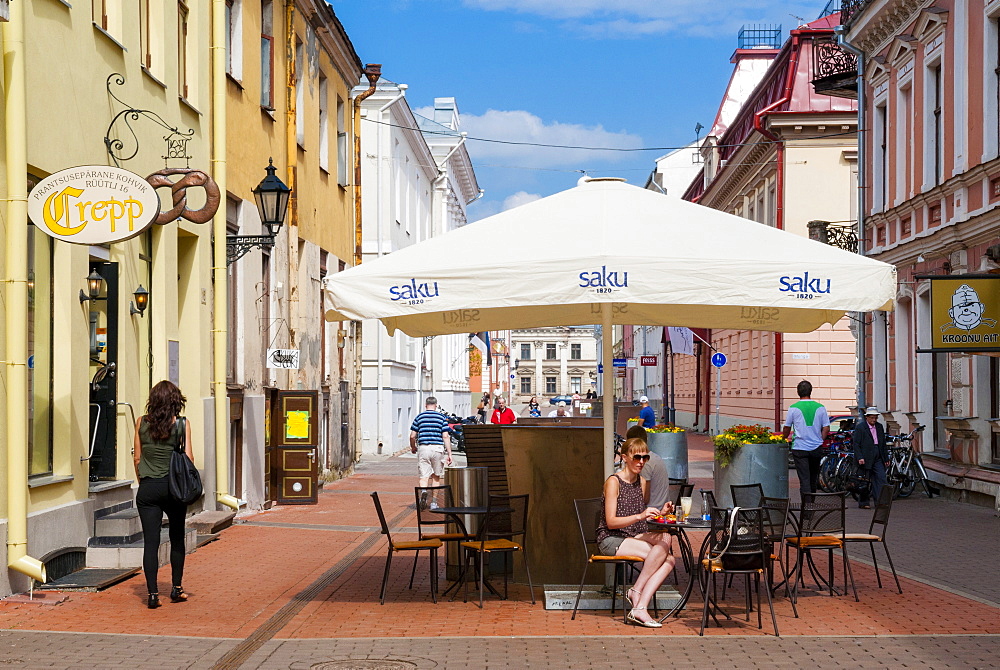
[(94, 282), (141, 296), (272, 198)]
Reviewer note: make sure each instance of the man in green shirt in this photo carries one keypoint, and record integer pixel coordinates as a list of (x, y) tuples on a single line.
[(811, 424)]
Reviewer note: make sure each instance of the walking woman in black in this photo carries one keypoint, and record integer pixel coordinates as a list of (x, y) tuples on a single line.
[(156, 435)]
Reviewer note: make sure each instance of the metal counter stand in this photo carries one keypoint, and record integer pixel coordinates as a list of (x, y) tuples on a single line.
[(469, 488)]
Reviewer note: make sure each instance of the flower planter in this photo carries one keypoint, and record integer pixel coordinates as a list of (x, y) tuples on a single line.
[(673, 449), (765, 464)]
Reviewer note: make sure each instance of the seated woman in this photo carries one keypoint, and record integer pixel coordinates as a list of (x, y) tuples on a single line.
[(622, 530)]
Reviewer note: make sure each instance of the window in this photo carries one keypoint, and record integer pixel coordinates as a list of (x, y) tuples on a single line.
[(232, 304), (267, 55), (576, 351), (99, 13), (39, 352), (525, 351), (300, 94), (234, 38), (144, 45), (937, 141), (341, 145), (995, 406), (550, 352), (881, 158), (525, 385), (575, 384), (550, 385), (324, 123), (182, 49)]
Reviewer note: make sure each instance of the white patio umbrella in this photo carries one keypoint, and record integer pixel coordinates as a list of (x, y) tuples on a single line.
[(609, 253)]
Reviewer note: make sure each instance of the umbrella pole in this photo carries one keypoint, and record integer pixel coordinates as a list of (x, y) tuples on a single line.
[(609, 390)]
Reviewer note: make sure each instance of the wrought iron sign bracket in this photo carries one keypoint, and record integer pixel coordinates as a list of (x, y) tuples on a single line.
[(176, 140), (237, 246)]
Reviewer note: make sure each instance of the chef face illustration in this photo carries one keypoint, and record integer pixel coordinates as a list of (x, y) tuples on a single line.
[(966, 309)]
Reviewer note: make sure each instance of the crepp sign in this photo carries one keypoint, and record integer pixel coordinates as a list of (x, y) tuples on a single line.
[(93, 204)]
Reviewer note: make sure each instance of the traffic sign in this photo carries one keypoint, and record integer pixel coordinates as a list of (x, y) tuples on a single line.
[(619, 362), (718, 359), (600, 368)]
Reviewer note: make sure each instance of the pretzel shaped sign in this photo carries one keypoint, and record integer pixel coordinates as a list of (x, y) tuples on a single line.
[(161, 178)]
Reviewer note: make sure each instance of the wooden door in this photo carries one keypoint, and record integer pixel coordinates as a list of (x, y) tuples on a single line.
[(294, 440)]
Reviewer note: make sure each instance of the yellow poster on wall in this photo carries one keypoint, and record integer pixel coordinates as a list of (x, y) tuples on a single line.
[(296, 425), (965, 310)]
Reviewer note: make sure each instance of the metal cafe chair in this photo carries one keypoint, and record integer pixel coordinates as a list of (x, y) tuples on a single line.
[(737, 546), (588, 515), (414, 546), (447, 529), (506, 519), (746, 495), (775, 521), (822, 526), (880, 517)]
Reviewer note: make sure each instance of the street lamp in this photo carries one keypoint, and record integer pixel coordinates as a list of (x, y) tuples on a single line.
[(94, 281), (272, 198), (141, 296)]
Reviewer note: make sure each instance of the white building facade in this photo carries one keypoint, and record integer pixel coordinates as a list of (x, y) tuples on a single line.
[(552, 361), (414, 186)]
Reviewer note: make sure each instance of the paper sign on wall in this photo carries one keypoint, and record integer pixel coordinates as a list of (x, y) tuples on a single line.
[(296, 425)]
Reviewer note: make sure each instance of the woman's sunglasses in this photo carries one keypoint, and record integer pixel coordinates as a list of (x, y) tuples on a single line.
[(640, 457)]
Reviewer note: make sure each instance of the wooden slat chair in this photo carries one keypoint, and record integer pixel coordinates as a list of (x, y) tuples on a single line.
[(506, 519), (822, 526), (588, 515), (484, 449), (740, 550), (414, 546), (431, 526)]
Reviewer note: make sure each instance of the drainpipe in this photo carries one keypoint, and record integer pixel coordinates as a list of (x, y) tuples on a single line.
[(862, 143), (779, 188), (379, 226), (16, 279), (220, 295), (372, 73)]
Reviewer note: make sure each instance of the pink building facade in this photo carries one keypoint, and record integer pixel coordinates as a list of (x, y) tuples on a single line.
[(932, 207)]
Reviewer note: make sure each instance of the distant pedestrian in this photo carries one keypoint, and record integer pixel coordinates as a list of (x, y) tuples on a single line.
[(483, 407), (647, 417), (591, 394), (533, 408), (559, 411), (811, 424), (872, 454), (502, 414), (157, 434), (431, 442)]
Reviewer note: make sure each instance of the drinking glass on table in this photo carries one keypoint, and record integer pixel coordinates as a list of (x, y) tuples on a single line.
[(686, 506)]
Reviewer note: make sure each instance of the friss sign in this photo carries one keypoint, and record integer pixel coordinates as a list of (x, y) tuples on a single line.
[(93, 204)]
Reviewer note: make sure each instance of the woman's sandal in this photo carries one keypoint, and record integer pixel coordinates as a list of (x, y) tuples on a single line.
[(177, 594), (154, 601), (628, 598), (639, 622)]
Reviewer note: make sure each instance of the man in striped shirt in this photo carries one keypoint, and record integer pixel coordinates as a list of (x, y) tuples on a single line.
[(430, 441)]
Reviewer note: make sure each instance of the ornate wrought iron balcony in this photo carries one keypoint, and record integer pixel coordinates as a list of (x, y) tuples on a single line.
[(848, 8), (835, 71), (842, 237)]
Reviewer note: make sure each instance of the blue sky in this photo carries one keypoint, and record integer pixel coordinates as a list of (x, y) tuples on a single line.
[(597, 73)]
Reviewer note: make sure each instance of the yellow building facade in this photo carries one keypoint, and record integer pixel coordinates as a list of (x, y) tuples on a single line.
[(63, 107)]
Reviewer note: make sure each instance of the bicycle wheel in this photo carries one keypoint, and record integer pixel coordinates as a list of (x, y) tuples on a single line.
[(907, 482)]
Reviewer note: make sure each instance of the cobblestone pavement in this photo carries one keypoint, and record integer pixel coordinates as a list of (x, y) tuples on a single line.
[(297, 587)]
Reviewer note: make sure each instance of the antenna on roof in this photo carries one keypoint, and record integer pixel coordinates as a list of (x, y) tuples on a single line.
[(697, 131), (800, 19)]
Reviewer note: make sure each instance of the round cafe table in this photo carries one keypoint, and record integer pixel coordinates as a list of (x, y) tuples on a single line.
[(456, 513), (680, 531)]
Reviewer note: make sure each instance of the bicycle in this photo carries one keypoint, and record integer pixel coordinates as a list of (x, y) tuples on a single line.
[(836, 464), (906, 467)]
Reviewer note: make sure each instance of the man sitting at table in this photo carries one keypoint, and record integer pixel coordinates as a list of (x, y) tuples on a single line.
[(559, 412)]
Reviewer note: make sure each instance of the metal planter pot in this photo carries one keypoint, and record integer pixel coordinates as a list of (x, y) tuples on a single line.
[(766, 464), (673, 449)]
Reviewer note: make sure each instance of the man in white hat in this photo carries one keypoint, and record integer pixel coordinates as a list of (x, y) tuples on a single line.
[(647, 417), (871, 453), (560, 411)]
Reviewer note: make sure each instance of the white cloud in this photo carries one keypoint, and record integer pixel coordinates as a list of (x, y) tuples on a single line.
[(637, 18), (518, 199), (523, 126)]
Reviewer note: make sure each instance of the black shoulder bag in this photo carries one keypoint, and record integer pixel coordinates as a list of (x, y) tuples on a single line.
[(184, 480)]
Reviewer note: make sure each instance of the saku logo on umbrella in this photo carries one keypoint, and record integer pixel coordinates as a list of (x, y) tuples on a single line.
[(603, 281), (804, 287), (414, 293)]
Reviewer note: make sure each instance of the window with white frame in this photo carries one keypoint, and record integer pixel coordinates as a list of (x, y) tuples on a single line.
[(182, 49), (576, 351), (881, 141), (525, 385), (550, 384), (324, 126), (991, 97), (550, 351), (525, 351), (300, 93), (934, 126), (341, 145), (234, 39), (575, 384)]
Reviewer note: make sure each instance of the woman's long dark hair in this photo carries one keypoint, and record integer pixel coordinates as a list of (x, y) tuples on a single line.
[(166, 402)]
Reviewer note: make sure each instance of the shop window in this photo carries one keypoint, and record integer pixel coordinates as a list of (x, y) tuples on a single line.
[(39, 353)]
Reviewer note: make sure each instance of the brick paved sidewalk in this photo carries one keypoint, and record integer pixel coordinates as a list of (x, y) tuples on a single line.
[(297, 581)]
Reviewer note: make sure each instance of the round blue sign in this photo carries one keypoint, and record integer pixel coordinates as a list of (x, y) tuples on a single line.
[(718, 359)]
